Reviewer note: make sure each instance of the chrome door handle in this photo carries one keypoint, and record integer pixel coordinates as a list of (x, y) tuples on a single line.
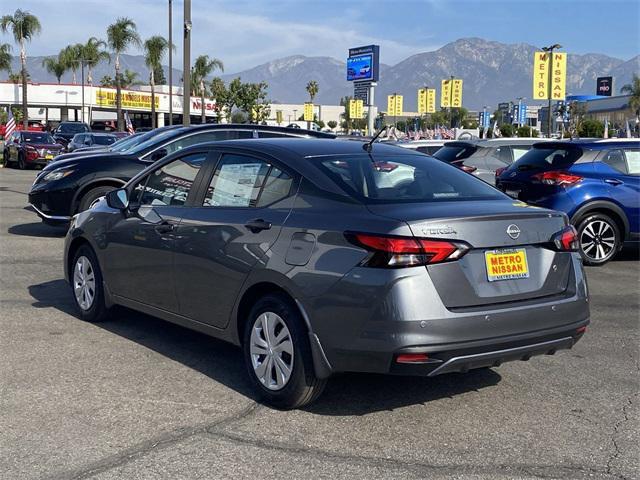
[(257, 225), (165, 227), (613, 181)]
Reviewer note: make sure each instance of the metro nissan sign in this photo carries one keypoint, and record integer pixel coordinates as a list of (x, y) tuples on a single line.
[(604, 86)]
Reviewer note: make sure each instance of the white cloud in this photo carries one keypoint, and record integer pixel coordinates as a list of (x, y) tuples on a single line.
[(241, 40)]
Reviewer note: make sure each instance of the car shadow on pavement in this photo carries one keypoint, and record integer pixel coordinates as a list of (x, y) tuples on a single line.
[(628, 254), (37, 229), (345, 395)]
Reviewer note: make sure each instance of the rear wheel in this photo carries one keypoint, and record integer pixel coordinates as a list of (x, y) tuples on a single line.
[(278, 355), (86, 281), (93, 196), (600, 239), (21, 163), (5, 159)]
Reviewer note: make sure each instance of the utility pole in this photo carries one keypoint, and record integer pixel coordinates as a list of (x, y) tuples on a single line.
[(549, 51), (186, 66), (170, 62), (82, 73)]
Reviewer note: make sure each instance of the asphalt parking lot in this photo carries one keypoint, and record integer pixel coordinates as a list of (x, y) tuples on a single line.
[(136, 397)]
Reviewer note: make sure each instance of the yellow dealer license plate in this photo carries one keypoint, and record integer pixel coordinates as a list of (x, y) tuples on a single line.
[(49, 156), (506, 264)]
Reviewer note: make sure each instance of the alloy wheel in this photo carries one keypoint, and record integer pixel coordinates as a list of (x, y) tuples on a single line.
[(84, 283), (271, 349), (598, 240)]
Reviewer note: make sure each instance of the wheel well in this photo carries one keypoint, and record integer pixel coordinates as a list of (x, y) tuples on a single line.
[(605, 211), (76, 243), (251, 296), (91, 186)]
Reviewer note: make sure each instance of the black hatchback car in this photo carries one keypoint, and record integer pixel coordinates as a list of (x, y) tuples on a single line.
[(67, 187)]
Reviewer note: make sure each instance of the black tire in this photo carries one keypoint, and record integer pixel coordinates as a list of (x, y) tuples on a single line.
[(92, 195), (97, 311), (5, 159), (302, 387), (21, 163), (600, 239)]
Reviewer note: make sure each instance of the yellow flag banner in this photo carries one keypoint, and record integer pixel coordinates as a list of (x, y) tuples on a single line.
[(445, 93), (308, 112), (394, 105), (559, 76), (422, 101), (356, 108), (279, 116), (431, 100), (456, 95)]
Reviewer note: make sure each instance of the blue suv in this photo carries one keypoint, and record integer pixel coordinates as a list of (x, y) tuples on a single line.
[(595, 182)]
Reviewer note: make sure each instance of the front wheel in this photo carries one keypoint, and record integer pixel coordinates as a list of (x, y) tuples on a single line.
[(88, 291), (92, 197), (278, 355), (600, 239), (21, 163)]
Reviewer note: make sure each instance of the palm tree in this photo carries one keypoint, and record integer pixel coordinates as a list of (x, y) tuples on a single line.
[(203, 67), (92, 54), (312, 89), (24, 27), (55, 66), (121, 35), (633, 89), (154, 50), (70, 56), (5, 57), (129, 78)]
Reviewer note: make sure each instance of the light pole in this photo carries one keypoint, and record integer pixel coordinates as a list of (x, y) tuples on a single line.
[(170, 62), (550, 50), (186, 66)]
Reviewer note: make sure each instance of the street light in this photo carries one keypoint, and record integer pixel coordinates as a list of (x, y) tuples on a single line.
[(550, 50)]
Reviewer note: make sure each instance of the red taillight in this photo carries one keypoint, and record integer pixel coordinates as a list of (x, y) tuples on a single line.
[(412, 358), (500, 170), (581, 329), (566, 240), (468, 168), (385, 166), (388, 251), (32, 153), (556, 178)]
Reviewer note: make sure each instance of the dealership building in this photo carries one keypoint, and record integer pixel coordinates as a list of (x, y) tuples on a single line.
[(60, 102)]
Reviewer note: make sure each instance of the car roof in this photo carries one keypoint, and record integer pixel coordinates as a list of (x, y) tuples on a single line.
[(252, 126), (308, 147), (591, 143)]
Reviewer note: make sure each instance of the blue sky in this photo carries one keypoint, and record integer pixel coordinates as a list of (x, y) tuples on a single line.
[(246, 33)]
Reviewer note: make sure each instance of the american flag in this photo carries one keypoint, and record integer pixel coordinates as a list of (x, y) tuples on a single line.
[(128, 123), (11, 123)]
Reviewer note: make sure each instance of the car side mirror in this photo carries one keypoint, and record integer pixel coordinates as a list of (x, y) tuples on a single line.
[(158, 154), (118, 199)]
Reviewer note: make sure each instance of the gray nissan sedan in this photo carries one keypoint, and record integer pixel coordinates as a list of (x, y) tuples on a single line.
[(326, 256)]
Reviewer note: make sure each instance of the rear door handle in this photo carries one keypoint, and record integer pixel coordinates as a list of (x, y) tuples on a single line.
[(164, 227), (613, 181), (257, 225)]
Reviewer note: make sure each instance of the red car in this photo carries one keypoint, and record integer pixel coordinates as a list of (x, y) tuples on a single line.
[(29, 149)]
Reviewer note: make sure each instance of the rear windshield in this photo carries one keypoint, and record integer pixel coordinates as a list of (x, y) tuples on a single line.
[(544, 158), (37, 138), (72, 128), (452, 153), (403, 178), (103, 140)]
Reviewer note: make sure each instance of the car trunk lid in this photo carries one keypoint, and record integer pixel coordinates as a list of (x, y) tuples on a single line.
[(494, 230)]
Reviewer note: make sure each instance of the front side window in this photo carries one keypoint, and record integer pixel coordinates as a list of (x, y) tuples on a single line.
[(171, 183), (403, 178), (242, 181)]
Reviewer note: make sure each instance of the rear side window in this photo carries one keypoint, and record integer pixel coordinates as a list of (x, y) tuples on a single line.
[(403, 178), (519, 151), (236, 182), (544, 158), (615, 159), (103, 140), (633, 161)]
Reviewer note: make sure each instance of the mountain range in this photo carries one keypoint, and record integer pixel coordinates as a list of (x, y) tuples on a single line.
[(492, 72)]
